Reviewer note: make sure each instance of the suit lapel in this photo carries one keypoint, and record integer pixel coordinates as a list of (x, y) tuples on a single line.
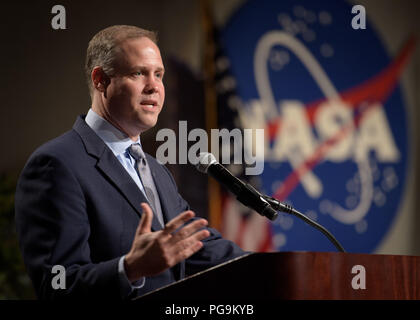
[(110, 166)]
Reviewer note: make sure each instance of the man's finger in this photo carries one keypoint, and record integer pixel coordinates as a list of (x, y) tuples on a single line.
[(145, 224), (188, 230), (187, 247), (178, 221)]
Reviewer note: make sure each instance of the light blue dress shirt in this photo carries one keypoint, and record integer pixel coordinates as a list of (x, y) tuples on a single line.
[(119, 143)]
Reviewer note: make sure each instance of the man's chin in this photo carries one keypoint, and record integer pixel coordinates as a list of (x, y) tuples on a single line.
[(147, 125)]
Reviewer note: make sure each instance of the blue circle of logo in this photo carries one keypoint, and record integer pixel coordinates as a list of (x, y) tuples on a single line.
[(334, 118)]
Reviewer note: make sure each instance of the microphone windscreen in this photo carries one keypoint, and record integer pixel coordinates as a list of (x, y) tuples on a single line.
[(205, 160)]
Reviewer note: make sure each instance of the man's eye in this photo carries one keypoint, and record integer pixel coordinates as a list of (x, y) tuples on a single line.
[(137, 73), (159, 75)]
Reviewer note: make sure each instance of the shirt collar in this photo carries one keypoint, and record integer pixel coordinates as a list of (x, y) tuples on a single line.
[(116, 140)]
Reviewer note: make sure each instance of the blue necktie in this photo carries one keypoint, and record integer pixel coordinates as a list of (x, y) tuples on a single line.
[(147, 180)]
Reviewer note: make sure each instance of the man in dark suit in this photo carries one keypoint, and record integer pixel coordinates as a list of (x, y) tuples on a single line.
[(92, 202)]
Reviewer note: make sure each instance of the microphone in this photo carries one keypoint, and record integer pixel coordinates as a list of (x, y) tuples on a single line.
[(244, 192)]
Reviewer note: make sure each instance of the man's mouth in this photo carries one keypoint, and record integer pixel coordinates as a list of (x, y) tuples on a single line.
[(149, 103)]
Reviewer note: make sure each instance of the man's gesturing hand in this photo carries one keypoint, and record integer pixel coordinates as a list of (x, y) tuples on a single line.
[(154, 252)]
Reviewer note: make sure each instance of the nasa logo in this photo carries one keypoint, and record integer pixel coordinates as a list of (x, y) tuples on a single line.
[(328, 97)]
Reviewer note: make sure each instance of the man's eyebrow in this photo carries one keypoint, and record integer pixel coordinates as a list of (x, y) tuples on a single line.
[(159, 69)]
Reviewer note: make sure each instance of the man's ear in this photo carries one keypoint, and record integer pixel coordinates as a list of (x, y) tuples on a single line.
[(100, 79)]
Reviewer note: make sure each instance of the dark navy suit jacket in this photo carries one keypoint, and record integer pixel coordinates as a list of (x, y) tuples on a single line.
[(76, 206)]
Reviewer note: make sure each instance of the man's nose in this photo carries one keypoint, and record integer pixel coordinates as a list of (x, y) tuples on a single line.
[(151, 85)]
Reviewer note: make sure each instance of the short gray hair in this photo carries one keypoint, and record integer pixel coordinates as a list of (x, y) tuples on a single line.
[(102, 51)]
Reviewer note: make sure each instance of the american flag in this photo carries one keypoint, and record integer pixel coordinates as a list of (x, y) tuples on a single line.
[(236, 222)]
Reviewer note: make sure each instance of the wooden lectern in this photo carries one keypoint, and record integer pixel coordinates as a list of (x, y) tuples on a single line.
[(301, 275)]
